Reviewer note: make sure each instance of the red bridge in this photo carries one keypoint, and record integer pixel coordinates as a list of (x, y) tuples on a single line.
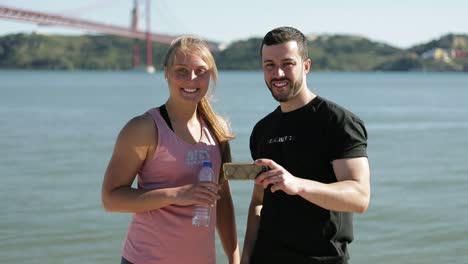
[(42, 18)]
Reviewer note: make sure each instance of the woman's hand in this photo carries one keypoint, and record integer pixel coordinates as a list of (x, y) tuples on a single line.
[(202, 193)]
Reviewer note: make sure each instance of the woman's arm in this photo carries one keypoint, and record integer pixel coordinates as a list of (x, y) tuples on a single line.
[(135, 143)]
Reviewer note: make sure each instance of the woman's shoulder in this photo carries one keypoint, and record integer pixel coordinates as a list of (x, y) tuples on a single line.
[(141, 127), (140, 122)]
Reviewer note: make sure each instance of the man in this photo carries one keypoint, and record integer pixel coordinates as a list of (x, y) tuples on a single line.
[(301, 209)]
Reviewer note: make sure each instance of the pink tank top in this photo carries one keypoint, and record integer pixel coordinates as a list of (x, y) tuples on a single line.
[(166, 235)]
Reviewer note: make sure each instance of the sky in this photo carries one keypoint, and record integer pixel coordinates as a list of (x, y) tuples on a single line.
[(401, 23)]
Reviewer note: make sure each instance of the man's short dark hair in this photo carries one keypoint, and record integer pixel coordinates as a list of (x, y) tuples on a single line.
[(282, 35)]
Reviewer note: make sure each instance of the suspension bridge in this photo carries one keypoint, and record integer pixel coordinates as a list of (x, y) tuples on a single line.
[(133, 31)]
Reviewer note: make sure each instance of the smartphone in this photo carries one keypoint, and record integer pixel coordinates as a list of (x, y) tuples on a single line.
[(242, 170)]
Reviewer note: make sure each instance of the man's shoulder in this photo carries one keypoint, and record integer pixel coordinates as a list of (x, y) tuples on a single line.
[(271, 117), (334, 111)]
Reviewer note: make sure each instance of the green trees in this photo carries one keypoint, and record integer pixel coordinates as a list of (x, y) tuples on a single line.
[(72, 52), (328, 53)]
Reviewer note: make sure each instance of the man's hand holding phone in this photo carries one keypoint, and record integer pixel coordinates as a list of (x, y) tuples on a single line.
[(278, 177), (242, 170)]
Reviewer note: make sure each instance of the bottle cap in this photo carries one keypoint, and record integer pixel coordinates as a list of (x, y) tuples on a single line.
[(207, 164)]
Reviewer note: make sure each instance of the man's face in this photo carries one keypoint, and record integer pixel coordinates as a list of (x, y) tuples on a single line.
[(284, 70)]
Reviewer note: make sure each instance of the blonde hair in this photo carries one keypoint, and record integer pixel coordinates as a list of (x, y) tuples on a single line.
[(218, 125)]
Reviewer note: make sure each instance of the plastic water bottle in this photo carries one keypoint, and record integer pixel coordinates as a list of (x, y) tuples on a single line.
[(201, 214)]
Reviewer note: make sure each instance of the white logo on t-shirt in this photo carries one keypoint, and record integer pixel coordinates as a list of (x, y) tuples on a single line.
[(281, 139), (197, 156)]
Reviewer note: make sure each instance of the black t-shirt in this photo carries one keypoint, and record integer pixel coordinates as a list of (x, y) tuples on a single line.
[(305, 142)]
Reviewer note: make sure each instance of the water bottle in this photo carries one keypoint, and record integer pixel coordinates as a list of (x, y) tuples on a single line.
[(201, 213)]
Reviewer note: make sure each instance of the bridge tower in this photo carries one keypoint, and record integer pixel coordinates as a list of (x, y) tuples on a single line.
[(149, 42), (134, 28)]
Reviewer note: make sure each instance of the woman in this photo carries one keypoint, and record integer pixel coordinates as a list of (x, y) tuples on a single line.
[(166, 147)]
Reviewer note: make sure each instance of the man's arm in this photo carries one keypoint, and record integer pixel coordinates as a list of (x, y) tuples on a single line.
[(253, 222), (226, 224), (351, 192)]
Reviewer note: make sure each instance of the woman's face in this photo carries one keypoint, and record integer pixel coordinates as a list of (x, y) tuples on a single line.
[(188, 78)]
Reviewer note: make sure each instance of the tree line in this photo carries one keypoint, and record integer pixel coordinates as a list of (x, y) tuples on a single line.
[(327, 52)]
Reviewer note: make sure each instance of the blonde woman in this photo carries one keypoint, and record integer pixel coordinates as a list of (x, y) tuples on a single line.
[(166, 147)]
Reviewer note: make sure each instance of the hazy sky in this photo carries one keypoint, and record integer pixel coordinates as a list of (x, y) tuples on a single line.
[(400, 23)]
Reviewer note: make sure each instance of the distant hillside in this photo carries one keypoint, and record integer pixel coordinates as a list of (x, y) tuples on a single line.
[(448, 53), (35, 51), (337, 52), (349, 53), (328, 53)]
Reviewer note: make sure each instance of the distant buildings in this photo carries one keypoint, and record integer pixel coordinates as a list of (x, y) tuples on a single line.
[(459, 54), (443, 54)]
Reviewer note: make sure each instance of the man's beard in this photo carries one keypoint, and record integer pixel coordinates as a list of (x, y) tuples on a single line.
[(294, 89)]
